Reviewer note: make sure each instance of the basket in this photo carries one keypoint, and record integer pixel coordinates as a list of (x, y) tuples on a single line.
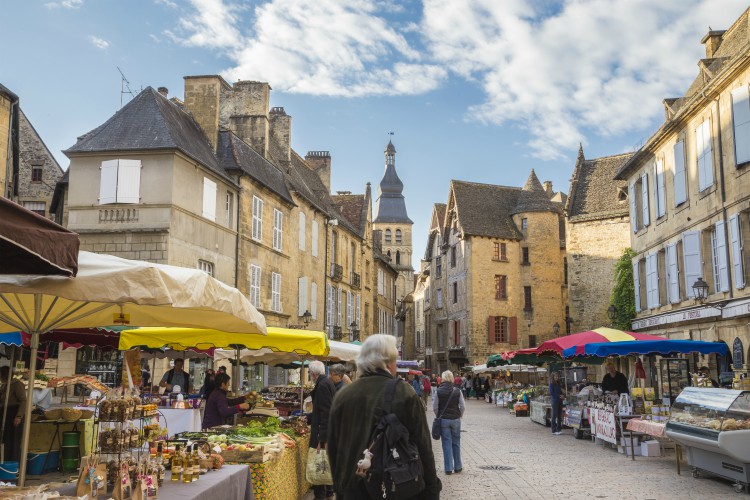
[(52, 414), (86, 414), (71, 414)]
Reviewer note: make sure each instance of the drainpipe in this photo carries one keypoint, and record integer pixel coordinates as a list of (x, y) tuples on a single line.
[(325, 280), (723, 199), (237, 239)]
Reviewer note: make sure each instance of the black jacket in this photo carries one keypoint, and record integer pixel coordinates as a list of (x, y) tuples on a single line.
[(452, 411), (322, 397), (619, 383)]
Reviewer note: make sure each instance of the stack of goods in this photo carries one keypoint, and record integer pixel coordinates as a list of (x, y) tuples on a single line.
[(87, 380), (647, 406)]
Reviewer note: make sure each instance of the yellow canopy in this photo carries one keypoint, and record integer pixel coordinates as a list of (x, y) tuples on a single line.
[(303, 342)]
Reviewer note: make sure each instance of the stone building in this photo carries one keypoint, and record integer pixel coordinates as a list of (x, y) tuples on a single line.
[(419, 295), (384, 288), (436, 353), (497, 271), (9, 137), (597, 233), (690, 204)]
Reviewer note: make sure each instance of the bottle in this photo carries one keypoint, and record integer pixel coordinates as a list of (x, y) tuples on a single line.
[(187, 467), (176, 464), (161, 471), (196, 463)]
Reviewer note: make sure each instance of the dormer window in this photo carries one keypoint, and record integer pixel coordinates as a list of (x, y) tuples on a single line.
[(622, 194)]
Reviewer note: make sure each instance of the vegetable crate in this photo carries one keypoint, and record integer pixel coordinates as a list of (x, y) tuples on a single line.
[(259, 454)]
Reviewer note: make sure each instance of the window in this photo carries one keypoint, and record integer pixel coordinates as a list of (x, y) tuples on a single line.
[(206, 267), (329, 307), (229, 208), (498, 329), (314, 239), (524, 224), (398, 236), (314, 300), (532, 341), (659, 188), (703, 155), (741, 121), (439, 298), (36, 173), (276, 292), (209, 199), (565, 271), (419, 339), (719, 258), (38, 207), (398, 256), (334, 247), (692, 263), (278, 223), (257, 232), (453, 256), (120, 182), (673, 274), (302, 231), (637, 284), (735, 237), (680, 178), (500, 252), (349, 309), (652, 281), (441, 335), (438, 267), (457, 332), (352, 262), (380, 282), (501, 287), (388, 236), (525, 255), (455, 292), (255, 285), (527, 306), (302, 295)]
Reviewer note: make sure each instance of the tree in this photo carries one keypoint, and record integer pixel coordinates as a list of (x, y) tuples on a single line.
[(623, 294)]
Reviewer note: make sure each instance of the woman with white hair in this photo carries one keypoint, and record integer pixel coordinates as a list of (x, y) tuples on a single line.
[(449, 405), (322, 396), (357, 410)]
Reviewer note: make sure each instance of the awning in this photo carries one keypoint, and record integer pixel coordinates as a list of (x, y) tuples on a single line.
[(663, 347), (600, 335)]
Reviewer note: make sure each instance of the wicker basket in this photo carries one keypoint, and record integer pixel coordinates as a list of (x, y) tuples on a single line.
[(71, 414), (86, 414), (52, 414)]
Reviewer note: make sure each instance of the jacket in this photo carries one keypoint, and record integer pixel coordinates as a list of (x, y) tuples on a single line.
[(444, 392), (322, 396), (354, 414), (218, 408), (555, 391)]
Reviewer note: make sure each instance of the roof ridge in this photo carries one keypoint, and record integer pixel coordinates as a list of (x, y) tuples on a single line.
[(610, 156), (483, 184)]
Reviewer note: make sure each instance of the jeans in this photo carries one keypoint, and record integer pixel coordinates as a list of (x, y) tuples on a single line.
[(556, 416), (451, 441)]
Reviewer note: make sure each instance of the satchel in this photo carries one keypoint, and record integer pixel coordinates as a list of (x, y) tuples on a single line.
[(437, 424), (318, 471)]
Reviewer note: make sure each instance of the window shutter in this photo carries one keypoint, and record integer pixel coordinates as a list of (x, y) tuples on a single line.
[(680, 184), (721, 257), (358, 310), (703, 154), (302, 302), (491, 329), (673, 279), (338, 307), (314, 239), (314, 300), (651, 298), (659, 188), (691, 255), (329, 306), (644, 199), (637, 286), (108, 182), (513, 329), (278, 220), (348, 308), (741, 119), (209, 199), (129, 181), (302, 231), (633, 214), (735, 237)]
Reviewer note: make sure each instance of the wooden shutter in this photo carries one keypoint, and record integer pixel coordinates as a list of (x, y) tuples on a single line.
[(652, 281), (741, 120), (644, 199), (703, 154), (338, 307), (302, 298), (721, 257), (513, 329), (108, 182), (348, 308), (314, 237), (691, 256), (491, 329), (209, 199), (680, 179), (735, 237), (329, 307), (314, 300), (129, 181), (637, 286), (673, 279), (357, 311), (633, 213), (659, 198)]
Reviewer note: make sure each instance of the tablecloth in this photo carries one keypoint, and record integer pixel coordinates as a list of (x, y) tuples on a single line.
[(284, 477), (229, 482), (181, 420), (656, 429)]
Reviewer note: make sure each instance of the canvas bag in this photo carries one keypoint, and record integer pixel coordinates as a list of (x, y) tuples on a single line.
[(92, 479), (437, 424), (318, 471)]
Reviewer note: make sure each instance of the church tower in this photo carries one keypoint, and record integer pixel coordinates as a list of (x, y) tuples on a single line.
[(394, 224)]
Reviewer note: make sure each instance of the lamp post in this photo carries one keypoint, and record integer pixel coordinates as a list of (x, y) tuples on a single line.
[(306, 317), (612, 314), (700, 290), (556, 328), (353, 331)]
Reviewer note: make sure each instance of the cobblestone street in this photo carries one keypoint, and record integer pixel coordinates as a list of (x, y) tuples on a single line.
[(546, 466)]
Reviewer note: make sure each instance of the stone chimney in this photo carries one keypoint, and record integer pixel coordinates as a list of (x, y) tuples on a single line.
[(203, 96), (548, 187), (281, 135), (320, 163), (164, 91), (245, 112), (712, 41)]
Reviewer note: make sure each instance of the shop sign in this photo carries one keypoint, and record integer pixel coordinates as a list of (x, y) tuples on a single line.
[(574, 418), (738, 354), (603, 425), (736, 308), (428, 351), (676, 317)]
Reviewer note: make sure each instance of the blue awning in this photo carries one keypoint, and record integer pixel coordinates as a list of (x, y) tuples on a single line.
[(13, 338), (663, 347)]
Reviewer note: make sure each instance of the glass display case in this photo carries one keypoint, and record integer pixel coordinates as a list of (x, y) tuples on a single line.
[(705, 412), (675, 376), (105, 365)]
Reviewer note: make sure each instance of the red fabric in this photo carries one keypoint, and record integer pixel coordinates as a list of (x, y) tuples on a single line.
[(559, 344), (640, 372)]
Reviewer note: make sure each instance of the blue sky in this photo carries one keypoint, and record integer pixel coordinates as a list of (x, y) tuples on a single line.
[(479, 90)]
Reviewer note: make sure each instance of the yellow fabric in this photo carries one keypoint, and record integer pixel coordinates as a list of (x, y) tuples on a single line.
[(303, 342), (613, 335)]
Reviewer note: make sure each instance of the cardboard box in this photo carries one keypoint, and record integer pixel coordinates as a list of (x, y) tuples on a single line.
[(627, 450), (650, 449), (648, 393)]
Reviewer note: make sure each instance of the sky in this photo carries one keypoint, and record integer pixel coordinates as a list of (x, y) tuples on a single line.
[(477, 90)]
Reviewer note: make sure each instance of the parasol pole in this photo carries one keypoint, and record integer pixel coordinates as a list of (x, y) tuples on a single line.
[(7, 398), (26, 421)]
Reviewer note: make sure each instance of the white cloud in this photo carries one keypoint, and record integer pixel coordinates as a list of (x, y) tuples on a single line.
[(154, 38), (99, 43), (65, 4), (168, 3)]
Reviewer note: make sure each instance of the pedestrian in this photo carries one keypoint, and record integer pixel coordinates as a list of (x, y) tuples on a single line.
[(218, 407), (450, 405), (434, 382), (145, 377), (467, 386), (13, 413), (426, 390), (556, 395), (209, 384), (458, 381), (487, 389), (337, 373), (414, 381), (355, 412), (322, 397)]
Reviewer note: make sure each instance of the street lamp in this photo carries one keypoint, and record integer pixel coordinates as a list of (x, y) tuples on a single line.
[(700, 289), (306, 317), (611, 312), (353, 331), (556, 328)]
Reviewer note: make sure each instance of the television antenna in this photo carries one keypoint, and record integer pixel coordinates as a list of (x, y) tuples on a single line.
[(124, 86)]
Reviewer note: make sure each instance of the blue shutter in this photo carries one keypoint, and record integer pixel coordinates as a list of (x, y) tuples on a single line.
[(741, 121), (735, 237), (644, 199), (673, 278), (637, 286), (633, 213), (691, 255), (680, 187)]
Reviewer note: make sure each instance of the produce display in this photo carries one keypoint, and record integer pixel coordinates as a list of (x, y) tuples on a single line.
[(728, 424)]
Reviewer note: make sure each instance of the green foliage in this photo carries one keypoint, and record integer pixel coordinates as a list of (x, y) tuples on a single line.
[(623, 294)]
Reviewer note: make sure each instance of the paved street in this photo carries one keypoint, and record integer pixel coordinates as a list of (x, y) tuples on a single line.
[(546, 466)]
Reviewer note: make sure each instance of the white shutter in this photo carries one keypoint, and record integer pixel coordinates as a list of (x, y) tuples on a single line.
[(735, 236), (108, 182), (338, 307), (357, 312), (255, 285), (673, 278), (329, 307), (659, 188), (348, 308), (314, 300), (278, 220), (644, 198), (302, 298), (703, 154), (314, 239), (257, 233), (741, 119), (276, 292), (209, 199), (302, 231), (722, 285), (633, 213), (652, 281), (637, 286), (129, 181), (691, 256), (680, 188)]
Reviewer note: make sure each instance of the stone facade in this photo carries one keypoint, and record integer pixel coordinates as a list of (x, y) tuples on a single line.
[(8, 148)]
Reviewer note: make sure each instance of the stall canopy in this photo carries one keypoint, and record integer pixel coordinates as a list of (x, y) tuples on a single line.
[(528, 356), (600, 335), (663, 347), (103, 337), (32, 244), (343, 351)]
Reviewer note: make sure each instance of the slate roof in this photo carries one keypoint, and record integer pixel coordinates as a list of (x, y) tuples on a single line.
[(486, 209), (440, 212), (533, 198), (593, 193), (352, 207), (391, 205)]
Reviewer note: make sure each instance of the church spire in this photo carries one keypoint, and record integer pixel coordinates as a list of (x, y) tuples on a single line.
[(390, 205)]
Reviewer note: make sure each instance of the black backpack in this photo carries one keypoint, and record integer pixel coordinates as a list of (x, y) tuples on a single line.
[(396, 471)]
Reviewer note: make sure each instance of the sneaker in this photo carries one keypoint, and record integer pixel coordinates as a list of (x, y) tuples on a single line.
[(458, 471), (448, 472), (557, 433)]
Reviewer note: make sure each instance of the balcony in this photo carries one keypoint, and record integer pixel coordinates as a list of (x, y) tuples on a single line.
[(355, 280), (457, 354), (337, 272), (337, 335)]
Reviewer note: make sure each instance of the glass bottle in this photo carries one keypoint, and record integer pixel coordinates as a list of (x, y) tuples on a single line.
[(196, 463), (176, 464), (187, 467), (161, 471)]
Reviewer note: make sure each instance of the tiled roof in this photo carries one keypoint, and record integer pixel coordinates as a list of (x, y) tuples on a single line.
[(593, 192), (440, 213), (533, 198), (486, 209), (351, 207)]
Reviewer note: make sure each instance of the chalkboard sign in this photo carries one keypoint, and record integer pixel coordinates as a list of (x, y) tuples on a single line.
[(738, 354)]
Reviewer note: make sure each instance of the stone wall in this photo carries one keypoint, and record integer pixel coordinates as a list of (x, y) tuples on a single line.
[(5, 168), (148, 246), (34, 154)]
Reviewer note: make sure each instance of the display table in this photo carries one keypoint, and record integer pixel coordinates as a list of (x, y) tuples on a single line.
[(283, 477), (229, 482), (655, 429), (187, 420), (540, 412), (42, 434)]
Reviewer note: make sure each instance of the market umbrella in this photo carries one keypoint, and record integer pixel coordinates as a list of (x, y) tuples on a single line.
[(343, 351), (109, 290), (32, 244), (660, 346), (103, 337), (600, 335), (528, 356)]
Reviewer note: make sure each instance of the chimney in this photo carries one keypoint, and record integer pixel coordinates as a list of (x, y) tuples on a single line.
[(203, 95), (164, 91), (548, 187), (712, 41), (281, 135), (320, 163), (245, 112)]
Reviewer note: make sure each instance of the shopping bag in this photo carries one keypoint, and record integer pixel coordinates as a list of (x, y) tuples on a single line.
[(437, 430), (123, 489), (318, 470), (92, 479)]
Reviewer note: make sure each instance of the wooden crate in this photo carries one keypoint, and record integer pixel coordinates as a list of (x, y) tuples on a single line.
[(258, 455)]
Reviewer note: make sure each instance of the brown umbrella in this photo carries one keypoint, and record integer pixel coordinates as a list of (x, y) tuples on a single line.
[(32, 244)]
